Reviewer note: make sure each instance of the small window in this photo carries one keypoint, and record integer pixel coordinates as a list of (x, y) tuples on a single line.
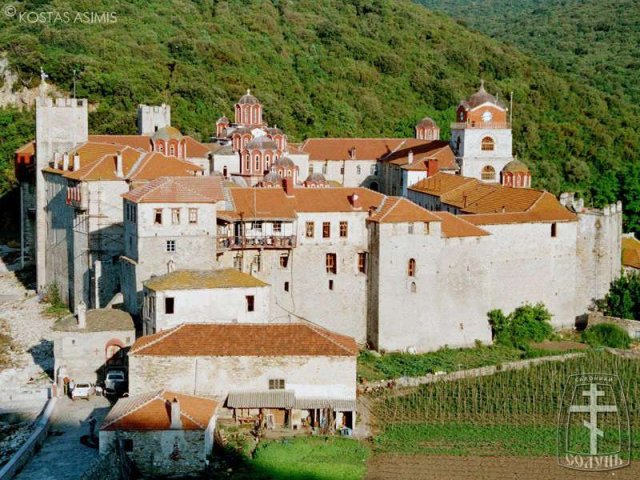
[(411, 269), (127, 443), (172, 150), (344, 229), (257, 260), (488, 173), (277, 227), (309, 228), (331, 263), (362, 262), (286, 286), (169, 305), (256, 227), (358, 170), (175, 216), (171, 246), (410, 229), (554, 230), (157, 216), (324, 169), (193, 215), (372, 170), (250, 303), (326, 229), (284, 261), (341, 170), (276, 384), (330, 284), (413, 287), (488, 144)]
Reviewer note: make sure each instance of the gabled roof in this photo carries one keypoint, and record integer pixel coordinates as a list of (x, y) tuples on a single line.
[(456, 227), (630, 252), (339, 148), (195, 149), (472, 196), (98, 320), (140, 142), (156, 165), (401, 210), (194, 189), (27, 148), (423, 151), (245, 340), (96, 166), (152, 411), (203, 279)]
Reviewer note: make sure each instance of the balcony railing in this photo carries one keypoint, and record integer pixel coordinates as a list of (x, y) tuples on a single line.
[(265, 241), (459, 125)]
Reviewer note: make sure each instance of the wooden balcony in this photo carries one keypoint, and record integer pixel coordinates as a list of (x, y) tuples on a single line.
[(265, 241)]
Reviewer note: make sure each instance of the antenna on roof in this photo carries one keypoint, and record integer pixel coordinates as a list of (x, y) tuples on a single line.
[(511, 107)]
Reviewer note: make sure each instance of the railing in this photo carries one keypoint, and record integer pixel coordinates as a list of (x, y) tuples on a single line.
[(265, 241), (459, 125)]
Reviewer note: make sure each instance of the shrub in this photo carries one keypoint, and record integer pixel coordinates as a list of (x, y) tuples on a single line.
[(606, 335), (528, 323), (623, 298)]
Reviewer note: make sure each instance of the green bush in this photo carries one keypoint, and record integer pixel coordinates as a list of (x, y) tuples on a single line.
[(528, 323), (606, 335), (623, 299)]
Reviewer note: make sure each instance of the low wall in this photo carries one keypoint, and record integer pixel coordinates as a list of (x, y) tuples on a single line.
[(36, 439), (404, 382), (632, 327)]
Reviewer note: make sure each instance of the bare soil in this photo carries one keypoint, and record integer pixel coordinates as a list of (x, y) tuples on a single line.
[(560, 346), (436, 467)]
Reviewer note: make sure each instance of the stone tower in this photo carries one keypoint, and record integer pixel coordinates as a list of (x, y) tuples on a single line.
[(153, 118), (481, 137), (61, 124)]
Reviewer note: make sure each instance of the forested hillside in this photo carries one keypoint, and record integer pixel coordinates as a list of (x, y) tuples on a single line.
[(593, 40), (325, 68)]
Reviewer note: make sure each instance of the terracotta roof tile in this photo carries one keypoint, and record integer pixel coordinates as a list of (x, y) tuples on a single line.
[(195, 149), (422, 151), (245, 340), (156, 165), (339, 148), (95, 166), (630, 252), (441, 183), (139, 142), (401, 210), (198, 189), (152, 411), (455, 226), (203, 279), (27, 148)]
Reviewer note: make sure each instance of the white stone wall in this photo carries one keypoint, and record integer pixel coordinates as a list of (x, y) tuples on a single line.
[(231, 161), (84, 354), (349, 173), (474, 159), (214, 305), (317, 376), (152, 118)]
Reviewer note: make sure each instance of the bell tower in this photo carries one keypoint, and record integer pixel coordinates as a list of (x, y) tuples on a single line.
[(481, 136)]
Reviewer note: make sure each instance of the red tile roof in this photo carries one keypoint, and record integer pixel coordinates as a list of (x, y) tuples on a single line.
[(195, 149), (156, 165), (27, 148), (422, 151), (455, 226), (630, 252), (245, 340), (339, 148), (401, 210), (140, 142), (152, 411), (198, 189)]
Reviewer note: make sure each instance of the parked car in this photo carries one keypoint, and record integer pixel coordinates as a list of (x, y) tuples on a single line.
[(115, 382), (82, 390)]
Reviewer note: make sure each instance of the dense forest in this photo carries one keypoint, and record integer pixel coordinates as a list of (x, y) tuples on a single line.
[(323, 68)]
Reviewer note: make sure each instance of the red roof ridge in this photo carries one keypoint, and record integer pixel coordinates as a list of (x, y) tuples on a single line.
[(534, 204), (158, 338), (154, 395), (325, 334)]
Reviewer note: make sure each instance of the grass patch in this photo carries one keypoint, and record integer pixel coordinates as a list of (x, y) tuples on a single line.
[(394, 365), (309, 458)]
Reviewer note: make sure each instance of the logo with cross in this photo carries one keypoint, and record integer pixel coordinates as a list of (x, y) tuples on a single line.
[(593, 424)]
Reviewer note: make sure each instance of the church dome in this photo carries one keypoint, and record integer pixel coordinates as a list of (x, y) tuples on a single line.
[(262, 143), (248, 99), (284, 162), (272, 177), (167, 133), (427, 122), (515, 166), (316, 177), (482, 96), (223, 120)]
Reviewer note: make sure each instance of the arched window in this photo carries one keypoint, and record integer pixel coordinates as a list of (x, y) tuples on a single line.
[(488, 144), (172, 150), (488, 173), (247, 161), (257, 158), (411, 268), (358, 170), (413, 287)]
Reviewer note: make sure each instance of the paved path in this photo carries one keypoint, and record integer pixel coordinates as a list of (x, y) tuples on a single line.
[(62, 456)]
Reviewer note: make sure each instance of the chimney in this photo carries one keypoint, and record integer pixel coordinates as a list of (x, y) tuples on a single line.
[(288, 186), (56, 160), (432, 167), (76, 162), (176, 423), (119, 172), (372, 210), (65, 161), (81, 310), (410, 157), (354, 200)]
